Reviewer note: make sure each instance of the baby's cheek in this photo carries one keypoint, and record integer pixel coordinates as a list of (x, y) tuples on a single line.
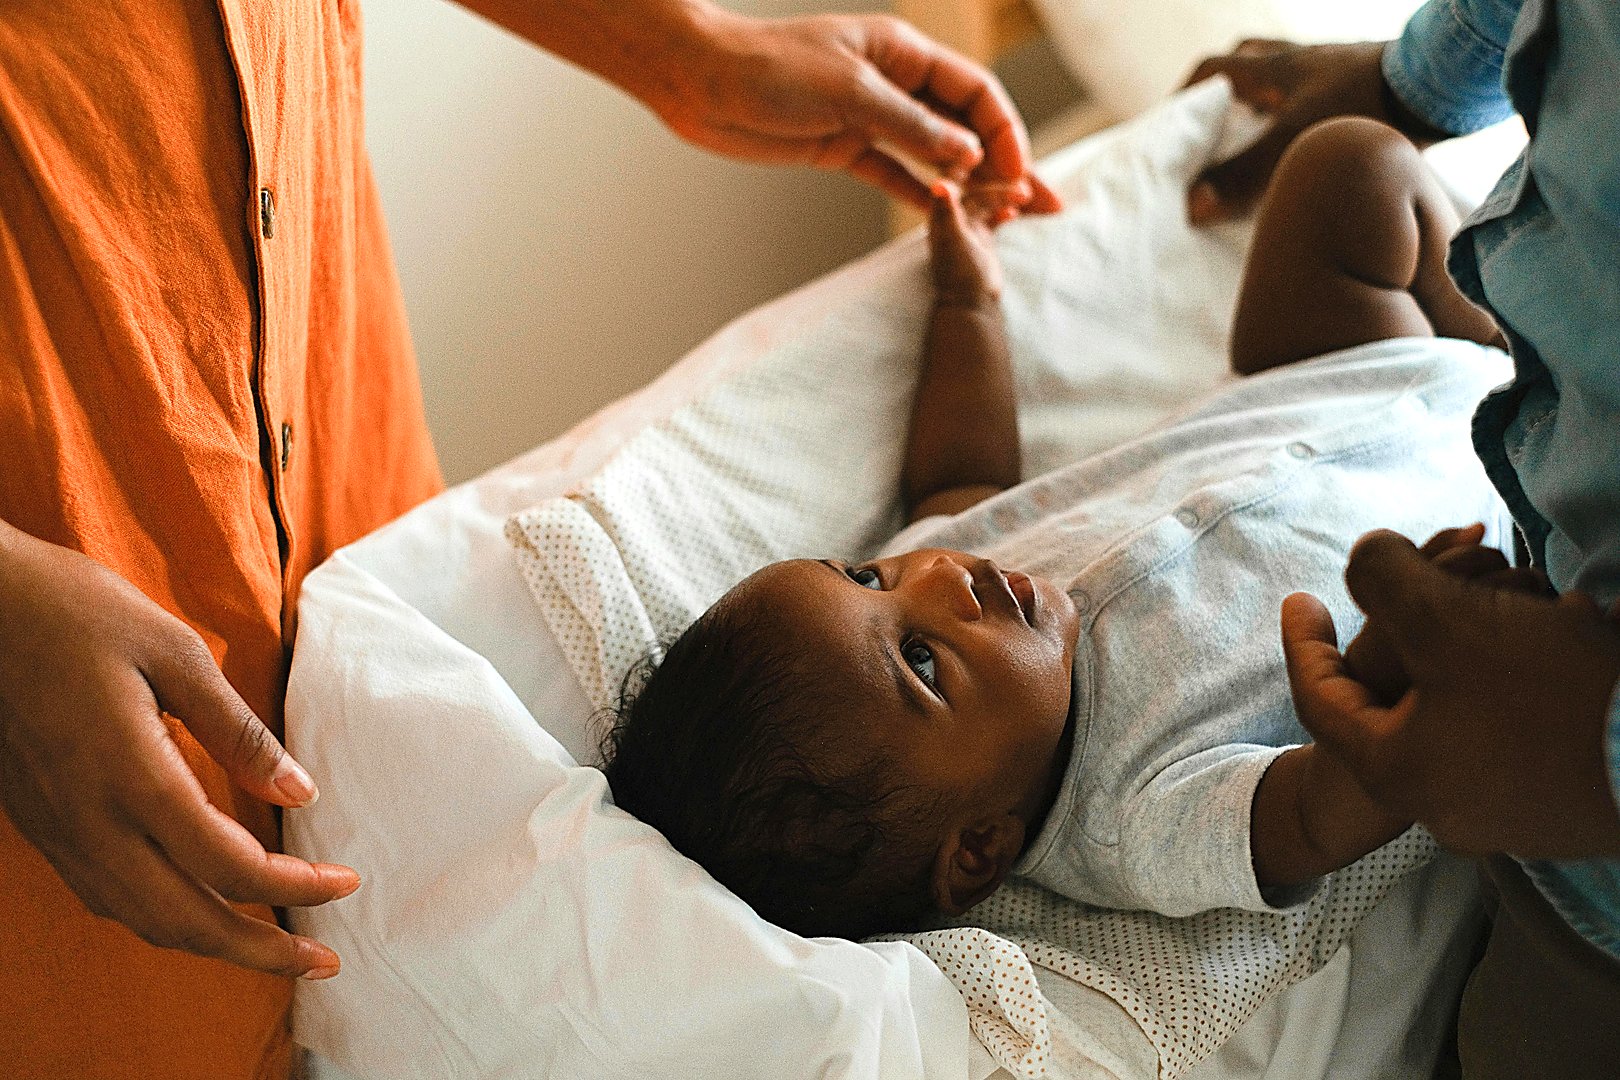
[(1040, 673)]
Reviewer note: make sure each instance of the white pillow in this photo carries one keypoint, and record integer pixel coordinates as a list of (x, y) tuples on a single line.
[(1130, 54)]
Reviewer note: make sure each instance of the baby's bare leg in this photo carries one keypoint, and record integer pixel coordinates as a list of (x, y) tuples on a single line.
[(1350, 248)]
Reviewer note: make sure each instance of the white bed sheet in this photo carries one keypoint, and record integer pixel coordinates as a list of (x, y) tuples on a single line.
[(423, 666)]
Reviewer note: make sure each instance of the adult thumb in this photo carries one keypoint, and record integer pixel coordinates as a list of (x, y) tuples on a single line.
[(189, 686), (1406, 593)]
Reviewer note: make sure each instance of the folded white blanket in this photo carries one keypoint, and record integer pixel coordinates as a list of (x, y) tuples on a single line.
[(512, 923)]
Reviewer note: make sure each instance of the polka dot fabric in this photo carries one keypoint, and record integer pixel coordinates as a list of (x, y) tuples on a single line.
[(1005, 1006), (1188, 983), (574, 571)]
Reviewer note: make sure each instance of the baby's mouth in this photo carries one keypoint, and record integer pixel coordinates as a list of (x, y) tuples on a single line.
[(1023, 590)]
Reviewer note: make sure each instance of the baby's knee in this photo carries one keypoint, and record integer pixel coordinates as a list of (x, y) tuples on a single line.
[(1352, 137), (1351, 156)]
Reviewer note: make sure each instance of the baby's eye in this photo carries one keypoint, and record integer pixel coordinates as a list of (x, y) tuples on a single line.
[(921, 659), (866, 577)]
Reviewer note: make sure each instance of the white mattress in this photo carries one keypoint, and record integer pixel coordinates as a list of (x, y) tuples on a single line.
[(509, 925)]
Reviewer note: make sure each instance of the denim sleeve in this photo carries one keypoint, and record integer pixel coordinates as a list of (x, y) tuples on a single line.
[(1447, 65), (1611, 744)]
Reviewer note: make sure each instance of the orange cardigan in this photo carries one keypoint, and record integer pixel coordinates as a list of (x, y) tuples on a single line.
[(206, 384)]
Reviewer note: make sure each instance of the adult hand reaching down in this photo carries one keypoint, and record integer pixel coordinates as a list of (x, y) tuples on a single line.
[(1500, 744), (91, 776), (843, 92), (847, 92), (1296, 86)]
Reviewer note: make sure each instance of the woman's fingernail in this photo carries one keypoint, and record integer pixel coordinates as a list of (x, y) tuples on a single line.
[(292, 781), (316, 974), (971, 150), (341, 876)]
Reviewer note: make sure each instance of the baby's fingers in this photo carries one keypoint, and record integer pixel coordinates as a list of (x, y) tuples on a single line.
[(946, 215), (1337, 709)]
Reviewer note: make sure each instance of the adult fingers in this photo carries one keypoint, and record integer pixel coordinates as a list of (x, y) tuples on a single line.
[(1230, 188), (1524, 579), (220, 853), (1583, 603), (890, 106), (189, 686), (962, 89), (1042, 199), (883, 172), (1472, 561), (1263, 47), (953, 90), (1258, 82), (171, 911), (1207, 68), (1412, 598), (1455, 537)]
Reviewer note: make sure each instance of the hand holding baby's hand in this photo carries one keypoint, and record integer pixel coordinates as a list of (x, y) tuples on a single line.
[(962, 250), (1371, 658)]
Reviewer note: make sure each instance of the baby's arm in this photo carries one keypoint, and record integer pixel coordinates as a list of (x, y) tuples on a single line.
[(1310, 817), (963, 445)]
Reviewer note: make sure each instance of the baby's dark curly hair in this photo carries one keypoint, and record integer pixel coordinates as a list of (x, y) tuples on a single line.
[(736, 747)]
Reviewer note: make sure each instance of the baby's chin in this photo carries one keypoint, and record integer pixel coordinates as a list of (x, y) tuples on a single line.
[(1058, 605)]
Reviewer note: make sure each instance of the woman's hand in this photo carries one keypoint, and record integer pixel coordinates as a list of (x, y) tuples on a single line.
[(1297, 86), (91, 777), (849, 92)]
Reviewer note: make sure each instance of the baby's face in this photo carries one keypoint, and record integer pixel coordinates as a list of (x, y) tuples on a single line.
[(964, 670)]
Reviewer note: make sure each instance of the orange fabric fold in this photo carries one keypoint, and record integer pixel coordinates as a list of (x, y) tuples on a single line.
[(206, 384)]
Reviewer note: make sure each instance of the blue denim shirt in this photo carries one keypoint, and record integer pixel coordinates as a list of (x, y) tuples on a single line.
[(1542, 254)]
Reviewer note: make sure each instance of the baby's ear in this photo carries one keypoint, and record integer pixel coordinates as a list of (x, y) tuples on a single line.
[(973, 860)]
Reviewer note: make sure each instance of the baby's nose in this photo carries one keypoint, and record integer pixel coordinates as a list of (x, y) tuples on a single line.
[(952, 583)]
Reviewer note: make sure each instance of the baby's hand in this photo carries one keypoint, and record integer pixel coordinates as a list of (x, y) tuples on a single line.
[(1371, 657), (967, 271)]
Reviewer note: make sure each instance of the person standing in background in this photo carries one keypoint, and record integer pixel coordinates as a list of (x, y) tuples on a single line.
[(206, 386), (1508, 745)]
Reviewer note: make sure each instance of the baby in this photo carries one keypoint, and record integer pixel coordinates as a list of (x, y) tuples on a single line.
[(865, 748)]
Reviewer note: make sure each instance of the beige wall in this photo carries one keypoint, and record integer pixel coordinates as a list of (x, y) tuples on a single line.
[(557, 247)]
